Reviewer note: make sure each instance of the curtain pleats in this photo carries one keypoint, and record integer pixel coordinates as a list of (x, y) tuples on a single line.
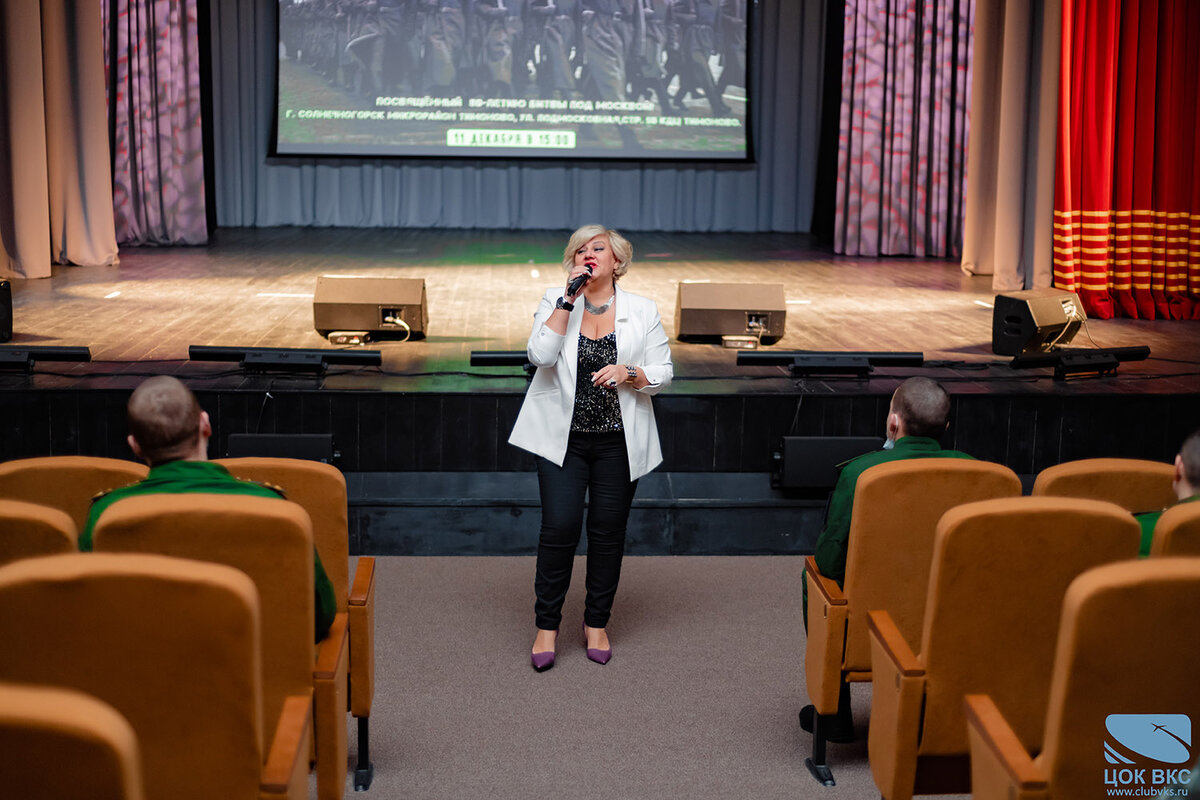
[(55, 189), (775, 193), (153, 65), (906, 70), (1127, 203)]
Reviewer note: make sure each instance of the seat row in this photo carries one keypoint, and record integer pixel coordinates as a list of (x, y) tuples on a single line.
[(995, 627), (269, 540)]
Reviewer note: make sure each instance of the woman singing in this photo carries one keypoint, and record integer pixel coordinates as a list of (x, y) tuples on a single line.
[(600, 353)]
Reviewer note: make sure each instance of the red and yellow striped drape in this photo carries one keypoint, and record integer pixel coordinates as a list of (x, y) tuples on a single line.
[(1127, 188)]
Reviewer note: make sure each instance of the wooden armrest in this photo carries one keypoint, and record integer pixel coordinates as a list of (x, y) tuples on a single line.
[(363, 589), (831, 593), (894, 645), (1002, 743), (288, 753), (330, 650)]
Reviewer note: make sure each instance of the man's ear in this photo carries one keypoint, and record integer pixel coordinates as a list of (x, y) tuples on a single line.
[(133, 445), (893, 425), (205, 425), (1177, 479)]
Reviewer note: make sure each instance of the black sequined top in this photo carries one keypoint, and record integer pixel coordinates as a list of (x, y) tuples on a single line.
[(596, 407)]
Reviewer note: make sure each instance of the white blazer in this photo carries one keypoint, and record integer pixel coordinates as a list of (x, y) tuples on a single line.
[(544, 423)]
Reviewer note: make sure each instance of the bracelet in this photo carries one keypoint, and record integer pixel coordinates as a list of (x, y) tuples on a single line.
[(563, 304), (632, 373)]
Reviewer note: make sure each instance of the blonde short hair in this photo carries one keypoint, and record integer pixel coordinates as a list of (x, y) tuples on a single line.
[(622, 250)]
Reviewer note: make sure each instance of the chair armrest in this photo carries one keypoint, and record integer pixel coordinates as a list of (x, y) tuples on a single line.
[(897, 697), (362, 638), (1001, 769), (827, 615), (329, 709), (363, 591), (893, 646), (827, 588), (285, 773)]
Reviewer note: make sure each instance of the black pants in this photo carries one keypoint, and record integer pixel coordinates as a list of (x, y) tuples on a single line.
[(598, 464)]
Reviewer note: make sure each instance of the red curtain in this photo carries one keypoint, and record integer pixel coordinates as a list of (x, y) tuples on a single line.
[(1127, 188)]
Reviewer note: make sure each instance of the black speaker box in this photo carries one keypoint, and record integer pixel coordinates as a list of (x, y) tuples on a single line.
[(730, 309), (5, 311), (1034, 320), (358, 303)]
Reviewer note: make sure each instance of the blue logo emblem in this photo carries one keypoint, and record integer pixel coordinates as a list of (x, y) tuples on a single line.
[(1162, 737)]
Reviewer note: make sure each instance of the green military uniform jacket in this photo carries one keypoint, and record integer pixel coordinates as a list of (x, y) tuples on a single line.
[(205, 477), (1149, 520)]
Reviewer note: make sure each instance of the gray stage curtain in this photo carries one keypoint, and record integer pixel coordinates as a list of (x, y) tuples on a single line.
[(1009, 217), (55, 188), (773, 194)]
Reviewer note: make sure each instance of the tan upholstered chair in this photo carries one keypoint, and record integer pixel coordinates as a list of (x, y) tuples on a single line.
[(29, 529), (1000, 570), (1177, 532), (896, 508), (321, 490), (65, 745), (66, 482), (1125, 647), (1133, 484), (174, 646), (271, 541)]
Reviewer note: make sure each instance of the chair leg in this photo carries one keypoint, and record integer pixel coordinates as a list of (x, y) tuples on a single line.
[(364, 770), (816, 764)]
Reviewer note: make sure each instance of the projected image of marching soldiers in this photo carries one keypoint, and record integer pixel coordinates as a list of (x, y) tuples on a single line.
[(548, 44), (696, 22)]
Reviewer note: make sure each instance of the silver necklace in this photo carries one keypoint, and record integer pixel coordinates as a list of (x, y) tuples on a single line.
[(592, 309)]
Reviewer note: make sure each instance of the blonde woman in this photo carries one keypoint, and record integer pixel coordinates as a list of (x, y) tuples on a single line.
[(600, 354)]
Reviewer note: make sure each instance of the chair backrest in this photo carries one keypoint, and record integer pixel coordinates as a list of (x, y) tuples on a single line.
[(29, 529), (267, 538), (1177, 532), (66, 482), (66, 745), (320, 489), (897, 506), (1132, 483), (1125, 648), (1000, 570), (172, 645)]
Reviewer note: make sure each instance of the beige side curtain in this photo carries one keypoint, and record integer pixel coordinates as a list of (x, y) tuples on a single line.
[(55, 180), (1009, 211)]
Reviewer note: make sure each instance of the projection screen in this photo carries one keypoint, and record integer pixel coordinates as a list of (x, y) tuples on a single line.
[(593, 79)]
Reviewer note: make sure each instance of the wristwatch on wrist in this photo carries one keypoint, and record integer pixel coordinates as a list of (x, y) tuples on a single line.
[(632, 373), (563, 304)]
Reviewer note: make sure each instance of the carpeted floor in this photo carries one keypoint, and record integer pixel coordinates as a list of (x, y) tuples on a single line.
[(699, 701)]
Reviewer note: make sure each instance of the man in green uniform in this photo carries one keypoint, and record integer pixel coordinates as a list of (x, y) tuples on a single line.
[(169, 431), (1186, 484), (917, 416)]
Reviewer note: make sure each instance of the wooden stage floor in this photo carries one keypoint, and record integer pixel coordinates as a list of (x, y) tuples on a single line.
[(254, 288)]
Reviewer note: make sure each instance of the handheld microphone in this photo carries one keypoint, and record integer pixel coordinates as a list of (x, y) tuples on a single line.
[(577, 283)]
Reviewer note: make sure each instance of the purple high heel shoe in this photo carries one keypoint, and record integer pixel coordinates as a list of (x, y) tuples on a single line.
[(595, 653), (544, 661)]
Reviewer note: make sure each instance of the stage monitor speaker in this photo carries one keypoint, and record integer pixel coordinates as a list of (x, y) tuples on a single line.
[(1034, 320), (384, 307), (730, 309), (5, 311)]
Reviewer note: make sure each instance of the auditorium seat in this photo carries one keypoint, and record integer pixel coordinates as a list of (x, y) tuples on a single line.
[(61, 744), (271, 541), (321, 489), (66, 482), (999, 572), (1134, 484), (1177, 532), (1123, 682), (30, 529), (897, 506), (173, 646)]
